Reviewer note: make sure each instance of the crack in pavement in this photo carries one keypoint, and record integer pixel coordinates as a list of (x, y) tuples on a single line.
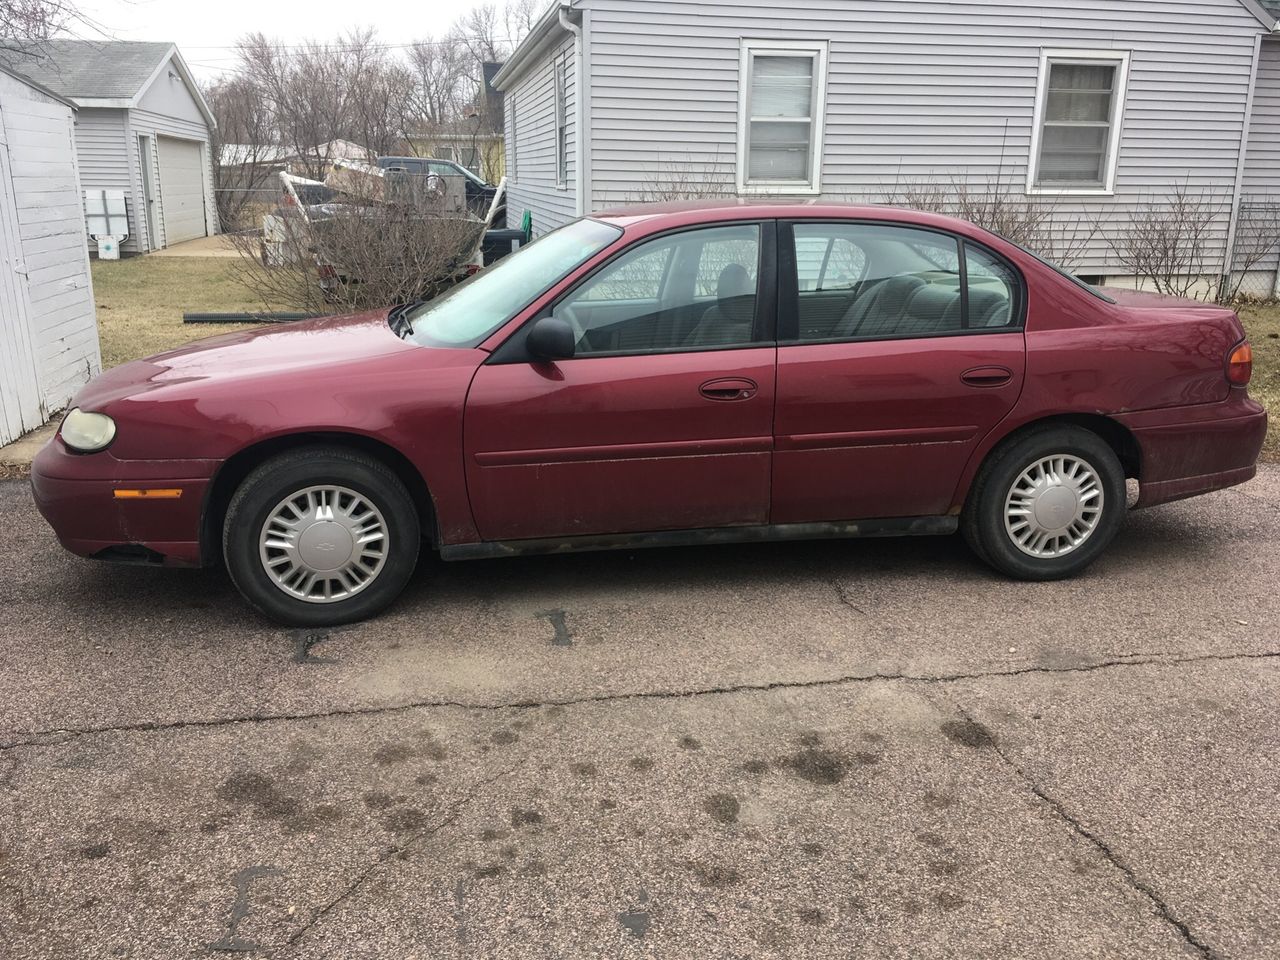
[(48, 738), (358, 881), (1164, 911), (842, 592)]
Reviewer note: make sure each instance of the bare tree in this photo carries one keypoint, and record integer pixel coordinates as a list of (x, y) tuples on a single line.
[(1169, 240), (25, 24), (245, 152), (519, 17)]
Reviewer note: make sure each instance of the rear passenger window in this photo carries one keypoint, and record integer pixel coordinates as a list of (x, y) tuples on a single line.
[(993, 290), (859, 281), (907, 282)]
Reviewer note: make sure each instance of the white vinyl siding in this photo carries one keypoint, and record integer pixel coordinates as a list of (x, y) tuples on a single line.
[(1262, 168), (1079, 109), (782, 92), (102, 144), (923, 90), (532, 142)]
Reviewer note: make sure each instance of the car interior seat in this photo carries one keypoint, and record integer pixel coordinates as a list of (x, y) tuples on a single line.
[(732, 316)]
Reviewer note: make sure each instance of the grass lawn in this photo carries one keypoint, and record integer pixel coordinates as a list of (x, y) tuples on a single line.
[(1263, 325), (141, 301)]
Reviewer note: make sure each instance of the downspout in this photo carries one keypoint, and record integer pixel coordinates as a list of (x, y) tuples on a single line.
[(581, 84), (1228, 260)]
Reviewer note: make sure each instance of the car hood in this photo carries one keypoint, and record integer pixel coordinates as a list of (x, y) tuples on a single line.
[(270, 352)]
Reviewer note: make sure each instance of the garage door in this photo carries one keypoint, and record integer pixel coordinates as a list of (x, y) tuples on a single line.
[(181, 189)]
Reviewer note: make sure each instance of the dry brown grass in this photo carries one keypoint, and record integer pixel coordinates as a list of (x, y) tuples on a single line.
[(1263, 326), (141, 301)]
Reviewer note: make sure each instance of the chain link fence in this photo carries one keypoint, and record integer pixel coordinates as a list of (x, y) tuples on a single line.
[(1255, 259)]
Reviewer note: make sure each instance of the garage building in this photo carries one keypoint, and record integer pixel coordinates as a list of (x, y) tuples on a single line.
[(48, 332), (142, 127)]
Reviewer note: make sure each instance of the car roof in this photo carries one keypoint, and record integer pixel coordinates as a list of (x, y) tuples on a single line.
[(658, 216)]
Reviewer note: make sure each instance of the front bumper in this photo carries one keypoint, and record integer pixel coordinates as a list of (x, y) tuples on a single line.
[(76, 494), (1187, 451)]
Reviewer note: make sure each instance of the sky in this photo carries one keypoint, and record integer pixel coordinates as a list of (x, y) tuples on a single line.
[(206, 30)]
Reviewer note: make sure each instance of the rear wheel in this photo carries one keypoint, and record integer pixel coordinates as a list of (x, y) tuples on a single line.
[(1044, 506), (321, 536)]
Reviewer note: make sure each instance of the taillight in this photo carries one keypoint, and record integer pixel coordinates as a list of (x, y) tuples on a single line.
[(1240, 364)]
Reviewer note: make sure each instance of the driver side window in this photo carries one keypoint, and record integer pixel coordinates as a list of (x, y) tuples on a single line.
[(694, 290)]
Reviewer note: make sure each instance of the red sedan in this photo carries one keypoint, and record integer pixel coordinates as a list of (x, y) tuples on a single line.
[(660, 376)]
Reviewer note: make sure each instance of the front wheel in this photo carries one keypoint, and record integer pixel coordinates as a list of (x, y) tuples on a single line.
[(321, 536), (1047, 504)]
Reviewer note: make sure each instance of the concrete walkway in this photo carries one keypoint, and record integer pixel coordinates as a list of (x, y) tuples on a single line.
[(16, 457), (219, 246)]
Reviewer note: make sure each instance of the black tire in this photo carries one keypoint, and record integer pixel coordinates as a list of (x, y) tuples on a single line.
[(983, 522), (259, 494)]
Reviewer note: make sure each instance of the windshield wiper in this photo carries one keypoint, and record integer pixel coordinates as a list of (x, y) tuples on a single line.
[(398, 318)]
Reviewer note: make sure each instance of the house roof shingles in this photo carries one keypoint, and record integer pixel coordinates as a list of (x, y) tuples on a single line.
[(91, 70), (1272, 7)]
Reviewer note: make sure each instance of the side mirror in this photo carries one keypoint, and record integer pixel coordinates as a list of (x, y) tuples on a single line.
[(552, 339)]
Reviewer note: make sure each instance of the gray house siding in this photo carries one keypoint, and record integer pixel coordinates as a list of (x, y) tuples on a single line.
[(530, 108), (921, 89), (1262, 169), (102, 143)]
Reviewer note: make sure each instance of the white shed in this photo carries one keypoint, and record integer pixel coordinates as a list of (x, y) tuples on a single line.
[(48, 330)]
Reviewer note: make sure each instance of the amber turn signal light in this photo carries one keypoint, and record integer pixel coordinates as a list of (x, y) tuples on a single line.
[(1240, 364), (158, 494)]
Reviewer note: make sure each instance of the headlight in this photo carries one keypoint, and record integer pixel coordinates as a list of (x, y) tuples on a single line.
[(87, 432)]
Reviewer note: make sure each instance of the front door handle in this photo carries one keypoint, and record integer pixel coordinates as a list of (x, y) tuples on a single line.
[(731, 388), (986, 377)]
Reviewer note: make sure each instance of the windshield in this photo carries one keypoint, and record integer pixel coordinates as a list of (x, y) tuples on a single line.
[(468, 313)]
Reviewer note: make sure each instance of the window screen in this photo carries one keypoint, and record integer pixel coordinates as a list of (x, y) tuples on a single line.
[(1079, 123), (782, 110)]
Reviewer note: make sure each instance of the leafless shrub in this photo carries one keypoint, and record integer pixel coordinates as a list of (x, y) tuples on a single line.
[(1257, 239), (1169, 241), (354, 257), (685, 179), (1036, 221)]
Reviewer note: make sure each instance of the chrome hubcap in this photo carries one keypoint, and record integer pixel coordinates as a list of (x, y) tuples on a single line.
[(323, 544), (1053, 506)]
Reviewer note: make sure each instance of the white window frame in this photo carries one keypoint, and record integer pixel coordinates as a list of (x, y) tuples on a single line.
[(1120, 60), (819, 50), (561, 123)]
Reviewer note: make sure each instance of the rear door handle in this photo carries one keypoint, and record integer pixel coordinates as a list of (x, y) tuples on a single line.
[(730, 388), (986, 376)]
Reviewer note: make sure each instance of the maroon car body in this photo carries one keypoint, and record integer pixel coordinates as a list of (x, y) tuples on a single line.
[(628, 449)]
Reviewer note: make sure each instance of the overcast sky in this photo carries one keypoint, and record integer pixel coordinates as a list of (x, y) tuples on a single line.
[(207, 30)]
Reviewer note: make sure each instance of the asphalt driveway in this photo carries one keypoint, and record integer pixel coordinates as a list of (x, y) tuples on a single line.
[(873, 748)]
